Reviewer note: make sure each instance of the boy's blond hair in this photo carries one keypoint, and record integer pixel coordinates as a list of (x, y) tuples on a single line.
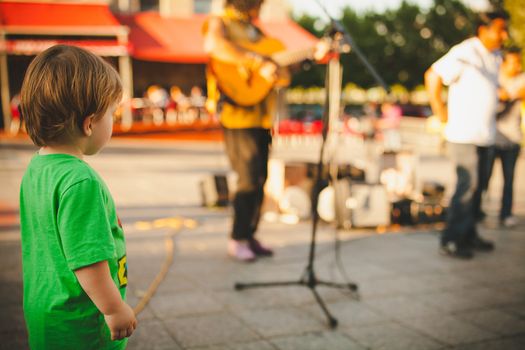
[(62, 87)]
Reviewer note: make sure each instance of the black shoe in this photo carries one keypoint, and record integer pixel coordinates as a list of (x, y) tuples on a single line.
[(481, 245), (258, 248), (454, 251)]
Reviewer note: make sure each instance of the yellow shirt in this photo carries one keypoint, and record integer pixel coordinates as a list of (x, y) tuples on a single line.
[(232, 116)]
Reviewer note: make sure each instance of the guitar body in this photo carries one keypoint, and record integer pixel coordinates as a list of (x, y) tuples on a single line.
[(244, 85)]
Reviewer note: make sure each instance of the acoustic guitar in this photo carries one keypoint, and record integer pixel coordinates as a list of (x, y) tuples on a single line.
[(244, 85)]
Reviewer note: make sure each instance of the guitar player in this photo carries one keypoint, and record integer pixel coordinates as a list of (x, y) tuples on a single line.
[(247, 133)]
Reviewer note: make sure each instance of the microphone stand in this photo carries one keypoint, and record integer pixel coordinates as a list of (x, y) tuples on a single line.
[(331, 111)]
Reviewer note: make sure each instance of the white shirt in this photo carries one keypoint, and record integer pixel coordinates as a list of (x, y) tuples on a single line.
[(471, 72), (508, 124)]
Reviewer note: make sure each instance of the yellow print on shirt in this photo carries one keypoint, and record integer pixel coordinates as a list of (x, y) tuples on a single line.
[(123, 271)]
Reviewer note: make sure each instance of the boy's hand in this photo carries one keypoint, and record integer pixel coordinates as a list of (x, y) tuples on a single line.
[(96, 281), (122, 322)]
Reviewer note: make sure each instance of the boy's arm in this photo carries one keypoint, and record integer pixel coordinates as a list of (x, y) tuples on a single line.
[(96, 281)]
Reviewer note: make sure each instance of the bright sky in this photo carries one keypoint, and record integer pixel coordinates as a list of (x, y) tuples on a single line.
[(334, 6)]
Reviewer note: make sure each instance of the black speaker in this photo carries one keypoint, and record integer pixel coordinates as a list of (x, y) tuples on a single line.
[(402, 212), (349, 171)]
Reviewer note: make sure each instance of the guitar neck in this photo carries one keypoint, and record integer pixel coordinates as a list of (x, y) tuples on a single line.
[(287, 58)]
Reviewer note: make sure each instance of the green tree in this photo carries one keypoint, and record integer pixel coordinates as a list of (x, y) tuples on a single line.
[(400, 43), (310, 74), (497, 5), (404, 42), (517, 19)]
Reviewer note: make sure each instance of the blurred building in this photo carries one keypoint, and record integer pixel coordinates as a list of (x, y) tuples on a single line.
[(272, 10), (149, 41), (29, 27), (166, 36)]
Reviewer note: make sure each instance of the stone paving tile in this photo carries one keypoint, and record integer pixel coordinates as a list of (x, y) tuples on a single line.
[(398, 285), (494, 296), (348, 313), (392, 336), (196, 267), (282, 321), (10, 340), (10, 296), (495, 321), (256, 345), (494, 275), (211, 329), (175, 283), (515, 290), (302, 295), (450, 281), (258, 298), (269, 270), (360, 271), (449, 301), (456, 301), (152, 335), (449, 329), (317, 341), (12, 318), (183, 303), (244, 300), (515, 309), (400, 307), (512, 343), (211, 274)]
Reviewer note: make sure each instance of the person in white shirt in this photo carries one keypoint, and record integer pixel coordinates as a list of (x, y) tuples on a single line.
[(470, 70), (508, 129)]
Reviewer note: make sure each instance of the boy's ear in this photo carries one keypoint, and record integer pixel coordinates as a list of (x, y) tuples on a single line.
[(87, 126)]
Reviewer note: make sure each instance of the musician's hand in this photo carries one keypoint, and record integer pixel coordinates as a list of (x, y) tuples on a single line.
[(268, 70), (321, 49)]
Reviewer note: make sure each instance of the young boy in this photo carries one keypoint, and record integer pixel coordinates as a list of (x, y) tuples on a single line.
[(73, 249)]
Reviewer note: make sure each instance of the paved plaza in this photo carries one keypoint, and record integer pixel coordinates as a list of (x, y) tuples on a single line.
[(410, 297)]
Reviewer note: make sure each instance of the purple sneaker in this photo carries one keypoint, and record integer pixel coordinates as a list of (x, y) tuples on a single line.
[(259, 249), (240, 251)]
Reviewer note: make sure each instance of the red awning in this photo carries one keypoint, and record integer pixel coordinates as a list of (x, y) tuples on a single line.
[(72, 14), (155, 38), (79, 19)]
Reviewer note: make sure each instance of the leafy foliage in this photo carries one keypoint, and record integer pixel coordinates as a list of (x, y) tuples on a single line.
[(517, 19), (401, 43)]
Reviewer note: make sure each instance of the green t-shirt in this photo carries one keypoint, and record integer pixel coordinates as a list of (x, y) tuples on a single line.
[(68, 221)]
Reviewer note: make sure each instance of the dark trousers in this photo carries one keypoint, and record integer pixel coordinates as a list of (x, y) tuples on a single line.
[(508, 157), (248, 151), (485, 154), (461, 224)]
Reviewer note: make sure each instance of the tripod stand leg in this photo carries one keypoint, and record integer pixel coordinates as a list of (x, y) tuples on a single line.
[(350, 286), (241, 286), (332, 321)]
